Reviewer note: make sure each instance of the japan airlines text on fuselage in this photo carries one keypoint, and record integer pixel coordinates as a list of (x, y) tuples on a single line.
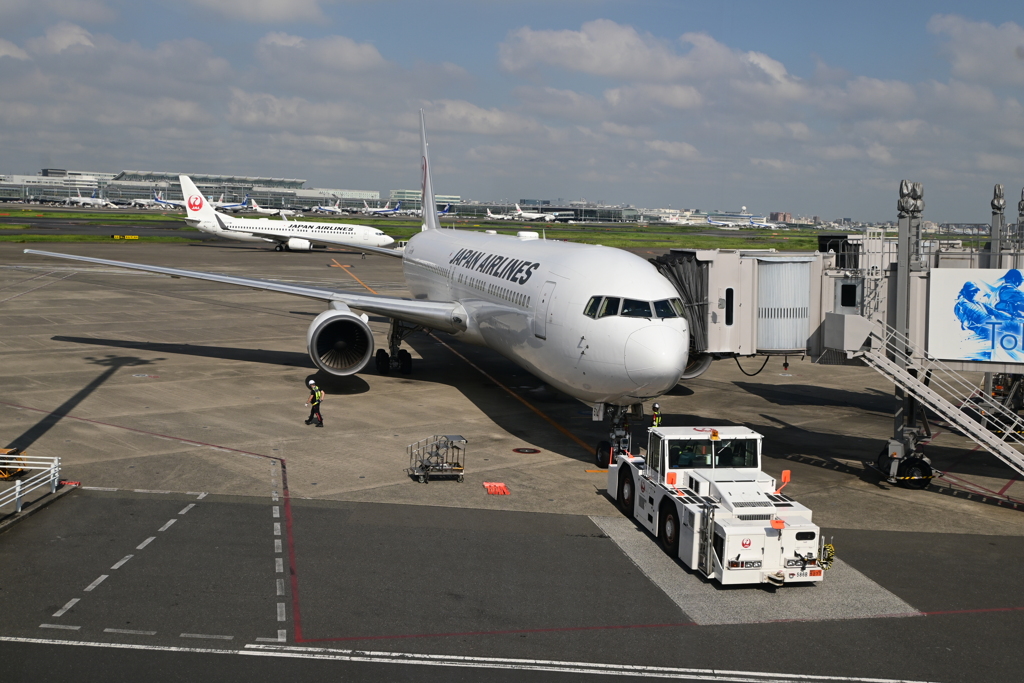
[(529, 300)]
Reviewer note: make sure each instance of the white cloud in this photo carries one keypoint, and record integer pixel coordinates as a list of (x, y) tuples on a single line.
[(998, 162), (90, 11), (341, 54), (981, 52), (61, 37), (9, 49), (264, 11), (674, 150), (673, 96), (464, 117)]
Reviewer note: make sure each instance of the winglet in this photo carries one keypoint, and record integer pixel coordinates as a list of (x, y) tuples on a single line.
[(196, 206), (220, 221), (429, 205)]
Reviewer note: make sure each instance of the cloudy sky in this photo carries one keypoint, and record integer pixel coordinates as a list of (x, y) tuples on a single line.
[(812, 108)]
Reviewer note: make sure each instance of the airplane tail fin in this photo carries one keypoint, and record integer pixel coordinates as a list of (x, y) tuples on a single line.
[(196, 206), (398, 206), (253, 204), (429, 205)]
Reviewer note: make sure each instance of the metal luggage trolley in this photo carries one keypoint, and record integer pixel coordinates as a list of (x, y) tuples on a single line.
[(438, 456)]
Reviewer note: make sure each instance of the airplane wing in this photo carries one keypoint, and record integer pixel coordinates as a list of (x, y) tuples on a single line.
[(447, 316), (277, 237)]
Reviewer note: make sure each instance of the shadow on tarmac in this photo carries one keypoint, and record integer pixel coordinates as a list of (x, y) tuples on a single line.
[(813, 395), (112, 363)]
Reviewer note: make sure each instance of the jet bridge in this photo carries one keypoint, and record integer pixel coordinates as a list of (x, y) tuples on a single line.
[(919, 308)]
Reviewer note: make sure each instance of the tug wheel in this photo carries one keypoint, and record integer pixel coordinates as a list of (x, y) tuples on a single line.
[(669, 531), (627, 493), (603, 454)]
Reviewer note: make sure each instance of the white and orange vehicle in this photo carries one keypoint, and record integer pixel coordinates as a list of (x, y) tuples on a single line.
[(701, 492)]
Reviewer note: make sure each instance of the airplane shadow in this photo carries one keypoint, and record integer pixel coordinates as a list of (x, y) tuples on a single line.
[(813, 395)]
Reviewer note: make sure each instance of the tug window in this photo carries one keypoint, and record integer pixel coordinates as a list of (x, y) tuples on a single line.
[(609, 307), (591, 310), (636, 309)]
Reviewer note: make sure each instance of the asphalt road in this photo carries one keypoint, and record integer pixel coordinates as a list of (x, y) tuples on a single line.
[(180, 400)]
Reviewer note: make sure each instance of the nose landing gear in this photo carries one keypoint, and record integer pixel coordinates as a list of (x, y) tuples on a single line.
[(620, 435)]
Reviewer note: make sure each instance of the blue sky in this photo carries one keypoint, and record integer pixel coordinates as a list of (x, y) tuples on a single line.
[(811, 108)]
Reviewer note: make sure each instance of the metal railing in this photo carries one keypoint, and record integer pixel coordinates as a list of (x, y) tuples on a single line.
[(47, 474), (978, 415)]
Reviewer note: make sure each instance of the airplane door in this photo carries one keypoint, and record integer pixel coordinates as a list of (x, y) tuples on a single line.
[(540, 316)]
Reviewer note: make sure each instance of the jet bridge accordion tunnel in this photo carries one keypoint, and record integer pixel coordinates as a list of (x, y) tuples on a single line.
[(748, 302)]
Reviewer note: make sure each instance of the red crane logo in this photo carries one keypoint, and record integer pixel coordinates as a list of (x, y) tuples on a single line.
[(745, 543), (195, 202)]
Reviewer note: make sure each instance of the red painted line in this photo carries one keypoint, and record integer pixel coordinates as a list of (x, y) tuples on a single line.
[(292, 571), (963, 457), (1014, 478), (965, 483), (499, 633)]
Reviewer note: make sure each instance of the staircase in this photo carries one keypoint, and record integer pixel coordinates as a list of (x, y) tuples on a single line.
[(946, 392)]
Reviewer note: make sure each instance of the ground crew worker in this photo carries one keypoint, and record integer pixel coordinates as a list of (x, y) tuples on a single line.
[(655, 415), (316, 395)]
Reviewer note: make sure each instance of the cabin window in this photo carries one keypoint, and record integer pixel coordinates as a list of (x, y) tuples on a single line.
[(636, 309), (610, 306), (663, 309), (728, 306), (591, 310)]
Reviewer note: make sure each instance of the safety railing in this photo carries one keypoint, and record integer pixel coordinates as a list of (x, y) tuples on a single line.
[(47, 473), (978, 415)]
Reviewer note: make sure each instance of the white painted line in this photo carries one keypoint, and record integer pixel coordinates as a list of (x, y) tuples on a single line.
[(148, 491), (471, 662), (96, 488), (201, 496), (96, 583), (120, 563), (273, 496), (282, 637), (145, 543), (65, 608), (277, 528), (206, 635), (278, 564), (280, 611), (60, 626), (167, 526), (277, 545), (276, 511), (187, 508), (280, 586), (129, 632)]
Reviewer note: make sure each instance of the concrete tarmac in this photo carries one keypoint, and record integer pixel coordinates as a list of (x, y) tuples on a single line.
[(161, 393)]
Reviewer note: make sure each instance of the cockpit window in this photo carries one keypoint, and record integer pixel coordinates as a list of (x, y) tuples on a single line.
[(636, 309), (610, 306), (592, 306), (678, 305), (664, 309)]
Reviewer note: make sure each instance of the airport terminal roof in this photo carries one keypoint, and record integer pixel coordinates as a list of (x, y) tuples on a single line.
[(204, 178)]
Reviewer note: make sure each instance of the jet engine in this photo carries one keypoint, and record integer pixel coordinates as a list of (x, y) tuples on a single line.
[(339, 341), (697, 365), (299, 244)]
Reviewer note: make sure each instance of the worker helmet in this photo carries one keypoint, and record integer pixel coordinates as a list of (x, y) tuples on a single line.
[(312, 383), (656, 406)]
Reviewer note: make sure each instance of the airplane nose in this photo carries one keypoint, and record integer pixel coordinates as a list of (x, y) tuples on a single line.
[(655, 358), (385, 240)]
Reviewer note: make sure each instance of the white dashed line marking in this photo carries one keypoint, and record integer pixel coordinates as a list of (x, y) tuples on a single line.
[(278, 565), (277, 545), (282, 637), (201, 496), (280, 586), (273, 496), (129, 632), (96, 583), (145, 543), (121, 562), (65, 608), (187, 508), (167, 526), (148, 491), (96, 488), (277, 511), (280, 611), (205, 635), (60, 626), (277, 528)]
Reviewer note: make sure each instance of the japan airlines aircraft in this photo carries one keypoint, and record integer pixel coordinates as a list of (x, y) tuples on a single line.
[(499, 216), (531, 216), (270, 212), (288, 235), (386, 211), (598, 323)]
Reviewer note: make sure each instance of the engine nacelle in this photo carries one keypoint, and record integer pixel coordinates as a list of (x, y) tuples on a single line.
[(339, 342), (298, 244), (697, 364)]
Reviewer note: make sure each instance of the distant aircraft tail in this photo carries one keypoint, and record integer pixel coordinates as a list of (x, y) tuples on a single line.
[(196, 206), (398, 206), (429, 214), (444, 212)]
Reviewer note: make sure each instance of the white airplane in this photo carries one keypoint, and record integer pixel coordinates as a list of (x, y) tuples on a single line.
[(173, 203), (532, 216), (221, 205), (726, 224), (447, 208), (89, 201), (386, 211), (597, 323), (329, 209), (759, 224), (286, 235), (499, 216), (145, 203), (270, 212)]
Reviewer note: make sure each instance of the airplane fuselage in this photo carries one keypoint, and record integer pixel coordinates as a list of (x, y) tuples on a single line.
[(241, 229), (527, 299)]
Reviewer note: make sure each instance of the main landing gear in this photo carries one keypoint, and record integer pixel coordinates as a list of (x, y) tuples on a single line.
[(619, 434), (398, 359)]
